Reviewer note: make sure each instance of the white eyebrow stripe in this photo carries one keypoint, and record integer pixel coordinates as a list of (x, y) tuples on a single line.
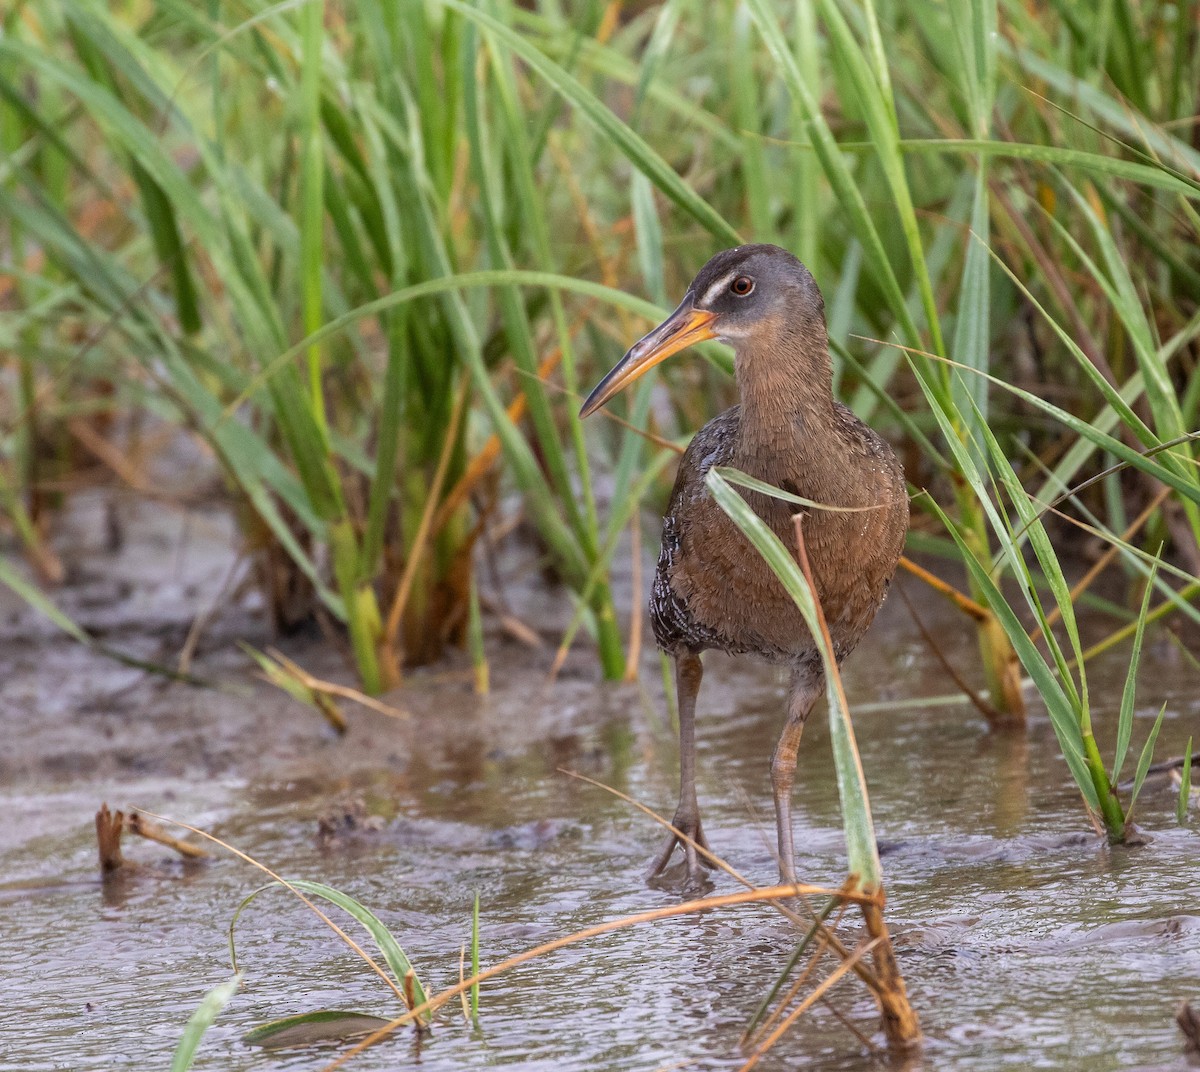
[(719, 285)]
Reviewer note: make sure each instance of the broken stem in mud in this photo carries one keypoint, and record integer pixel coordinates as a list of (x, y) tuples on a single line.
[(819, 992), (900, 1024), (111, 825)]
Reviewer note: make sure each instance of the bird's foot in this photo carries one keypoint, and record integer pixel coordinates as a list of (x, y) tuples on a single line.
[(688, 823)]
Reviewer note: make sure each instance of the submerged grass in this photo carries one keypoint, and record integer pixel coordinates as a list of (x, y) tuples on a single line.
[(421, 1007), (201, 1020)]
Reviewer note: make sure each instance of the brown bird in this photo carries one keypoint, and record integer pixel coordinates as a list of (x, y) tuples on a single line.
[(711, 588)]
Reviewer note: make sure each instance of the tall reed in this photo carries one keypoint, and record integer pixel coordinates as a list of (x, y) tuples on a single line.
[(228, 218)]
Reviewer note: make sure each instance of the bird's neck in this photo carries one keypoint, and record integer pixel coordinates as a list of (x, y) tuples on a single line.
[(787, 409)]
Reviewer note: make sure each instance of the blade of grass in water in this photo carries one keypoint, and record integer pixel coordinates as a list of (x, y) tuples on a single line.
[(1185, 784), (852, 789), (393, 955), (1125, 721), (475, 959), (200, 1021), (1143, 764)]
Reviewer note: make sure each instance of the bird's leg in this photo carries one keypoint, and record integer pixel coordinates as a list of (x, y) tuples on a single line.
[(688, 671), (803, 695)]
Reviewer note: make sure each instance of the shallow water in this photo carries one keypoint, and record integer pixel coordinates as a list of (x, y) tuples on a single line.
[(1025, 940)]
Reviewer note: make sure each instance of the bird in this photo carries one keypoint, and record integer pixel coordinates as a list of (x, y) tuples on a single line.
[(712, 590)]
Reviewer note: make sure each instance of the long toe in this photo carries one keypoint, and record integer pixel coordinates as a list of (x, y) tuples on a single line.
[(659, 864), (695, 862)]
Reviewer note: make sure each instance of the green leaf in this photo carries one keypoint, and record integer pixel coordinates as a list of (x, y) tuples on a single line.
[(1097, 164), (1125, 720), (1143, 764), (12, 578), (395, 957), (200, 1021), (313, 1028), (861, 848), (970, 344), (1185, 784)]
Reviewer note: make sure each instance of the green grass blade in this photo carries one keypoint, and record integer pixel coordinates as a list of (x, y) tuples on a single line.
[(1035, 532), (312, 217), (845, 186), (1115, 113), (972, 330), (1125, 720), (393, 955), (868, 72), (475, 959), (448, 285), (1145, 462), (632, 146), (1143, 763), (647, 229), (31, 595), (1185, 785), (1063, 716), (748, 112), (1093, 164), (200, 1021), (312, 1028), (862, 851)]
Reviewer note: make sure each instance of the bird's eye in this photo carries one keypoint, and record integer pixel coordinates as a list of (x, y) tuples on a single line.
[(742, 285)]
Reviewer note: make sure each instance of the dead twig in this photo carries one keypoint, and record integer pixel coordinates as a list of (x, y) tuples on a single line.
[(993, 716), (143, 827), (819, 991), (111, 825), (964, 603)]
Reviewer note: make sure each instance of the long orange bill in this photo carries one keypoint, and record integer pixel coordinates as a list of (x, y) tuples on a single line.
[(680, 330)]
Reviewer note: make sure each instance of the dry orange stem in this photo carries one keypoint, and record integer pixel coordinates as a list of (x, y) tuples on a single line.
[(964, 603)]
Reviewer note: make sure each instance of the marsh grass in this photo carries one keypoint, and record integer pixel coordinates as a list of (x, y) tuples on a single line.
[(341, 247), (1060, 675), (421, 1007), (201, 1020), (1185, 785)]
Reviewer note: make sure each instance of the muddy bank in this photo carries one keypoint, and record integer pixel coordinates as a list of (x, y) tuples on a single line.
[(1026, 940)]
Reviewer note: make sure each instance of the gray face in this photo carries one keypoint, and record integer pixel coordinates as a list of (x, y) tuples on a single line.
[(747, 293), (749, 285)]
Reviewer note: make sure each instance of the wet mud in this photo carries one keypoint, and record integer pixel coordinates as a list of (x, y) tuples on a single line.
[(1025, 939)]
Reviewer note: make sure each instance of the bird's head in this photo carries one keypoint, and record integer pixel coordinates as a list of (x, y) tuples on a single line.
[(740, 295)]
